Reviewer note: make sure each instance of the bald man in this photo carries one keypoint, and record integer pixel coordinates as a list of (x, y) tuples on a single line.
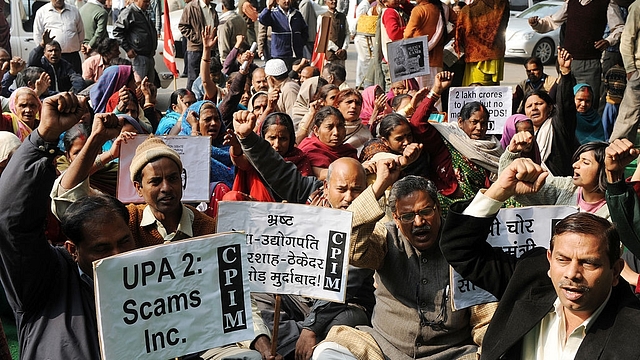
[(259, 81), (346, 179)]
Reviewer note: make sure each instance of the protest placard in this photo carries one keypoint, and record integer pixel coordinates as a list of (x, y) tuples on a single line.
[(408, 58), (174, 299), (195, 153), (497, 100), (515, 231), (293, 248)]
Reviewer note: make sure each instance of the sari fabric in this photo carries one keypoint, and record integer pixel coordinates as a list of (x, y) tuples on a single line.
[(321, 155)]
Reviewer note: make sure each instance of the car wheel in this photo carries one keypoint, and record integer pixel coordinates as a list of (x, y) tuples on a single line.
[(545, 50)]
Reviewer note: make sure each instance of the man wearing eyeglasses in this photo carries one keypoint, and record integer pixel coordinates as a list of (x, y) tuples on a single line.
[(412, 318)]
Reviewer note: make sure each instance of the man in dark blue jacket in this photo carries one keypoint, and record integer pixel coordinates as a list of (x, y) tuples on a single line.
[(289, 31), (48, 56)]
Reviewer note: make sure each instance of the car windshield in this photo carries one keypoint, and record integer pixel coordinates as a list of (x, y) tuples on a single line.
[(539, 10)]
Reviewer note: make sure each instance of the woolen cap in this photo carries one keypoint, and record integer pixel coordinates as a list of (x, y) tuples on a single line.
[(275, 67), (151, 149)]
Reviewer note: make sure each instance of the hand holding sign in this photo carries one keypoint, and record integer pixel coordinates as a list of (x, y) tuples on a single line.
[(523, 176)]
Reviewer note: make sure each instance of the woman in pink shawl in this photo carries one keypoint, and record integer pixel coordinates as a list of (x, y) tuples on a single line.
[(515, 124), (25, 109), (374, 105), (113, 79)]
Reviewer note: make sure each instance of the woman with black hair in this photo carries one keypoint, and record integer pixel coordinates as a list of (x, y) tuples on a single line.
[(585, 188), (394, 137), (181, 99), (278, 130)]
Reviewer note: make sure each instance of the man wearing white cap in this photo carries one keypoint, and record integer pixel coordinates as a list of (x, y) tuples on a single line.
[(278, 78), (156, 173)]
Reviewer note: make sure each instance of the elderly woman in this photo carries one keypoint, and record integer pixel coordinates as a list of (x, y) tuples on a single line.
[(25, 108), (349, 102), (327, 144), (589, 125), (463, 158), (278, 130), (203, 119)]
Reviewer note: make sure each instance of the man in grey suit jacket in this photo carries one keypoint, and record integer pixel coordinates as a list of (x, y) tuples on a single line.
[(565, 302)]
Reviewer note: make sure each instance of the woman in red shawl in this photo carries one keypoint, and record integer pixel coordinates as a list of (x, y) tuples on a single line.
[(326, 144), (279, 131)]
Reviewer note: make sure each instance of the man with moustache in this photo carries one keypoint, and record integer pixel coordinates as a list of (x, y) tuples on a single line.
[(536, 79), (413, 317), (568, 302)]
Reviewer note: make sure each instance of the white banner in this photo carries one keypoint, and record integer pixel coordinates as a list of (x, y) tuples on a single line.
[(195, 154), (173, 299), (516, 231), (497, 100), (293, 248), (408, 58)]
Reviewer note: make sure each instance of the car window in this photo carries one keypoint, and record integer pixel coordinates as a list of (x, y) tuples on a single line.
[(28, 9), (539, 10)]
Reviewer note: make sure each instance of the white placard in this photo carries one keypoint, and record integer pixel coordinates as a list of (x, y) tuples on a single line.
[(293, 248), (516, 231), (497, 100), (195, 153), (408, 58), (174, 299)]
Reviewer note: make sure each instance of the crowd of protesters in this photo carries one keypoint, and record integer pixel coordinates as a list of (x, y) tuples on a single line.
[(424, 193)]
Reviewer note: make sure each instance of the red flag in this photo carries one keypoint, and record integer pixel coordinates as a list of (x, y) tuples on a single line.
[(317, 58), (169, 45)]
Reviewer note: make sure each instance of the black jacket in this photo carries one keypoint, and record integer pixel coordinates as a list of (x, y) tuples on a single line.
[(134, 30), (63, 73), (526, 294)]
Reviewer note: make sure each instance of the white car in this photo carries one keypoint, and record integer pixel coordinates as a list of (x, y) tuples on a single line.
[(524, 42), (20, 18)]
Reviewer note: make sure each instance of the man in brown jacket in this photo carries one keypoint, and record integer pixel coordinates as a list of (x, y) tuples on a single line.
[(196, 15)]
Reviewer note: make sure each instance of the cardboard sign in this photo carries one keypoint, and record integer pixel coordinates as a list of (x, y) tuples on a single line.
[(174, 299), (497, 100), (408, 58), (516, 231), (293, 248), (195, 153)]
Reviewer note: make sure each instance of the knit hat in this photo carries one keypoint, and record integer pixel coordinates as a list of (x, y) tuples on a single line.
[(275, 67), (150, 150)]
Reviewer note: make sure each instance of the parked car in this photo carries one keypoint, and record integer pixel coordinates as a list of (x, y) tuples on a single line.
[(524, 42)]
